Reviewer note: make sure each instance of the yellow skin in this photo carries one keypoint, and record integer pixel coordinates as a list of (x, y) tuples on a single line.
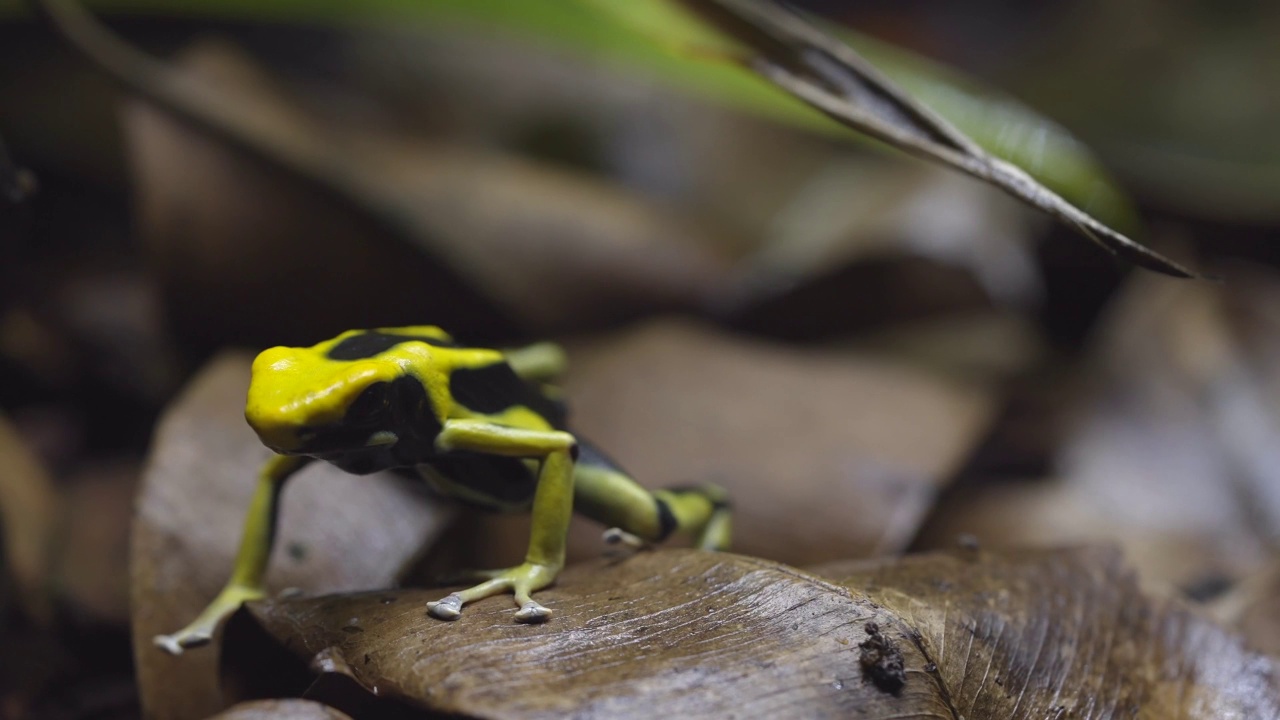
[(479, 425)]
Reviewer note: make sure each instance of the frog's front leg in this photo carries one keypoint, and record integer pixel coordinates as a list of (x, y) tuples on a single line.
[(552, 508), (246, 581)]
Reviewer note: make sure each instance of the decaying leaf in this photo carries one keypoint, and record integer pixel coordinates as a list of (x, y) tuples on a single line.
[(829, 75), (336, 532), (683, 633)]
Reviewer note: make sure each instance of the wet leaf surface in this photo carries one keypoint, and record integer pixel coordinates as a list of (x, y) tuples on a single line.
[(692, 634), (337, 531)]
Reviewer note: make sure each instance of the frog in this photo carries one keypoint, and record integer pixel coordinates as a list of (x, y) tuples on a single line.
[(486, 427)]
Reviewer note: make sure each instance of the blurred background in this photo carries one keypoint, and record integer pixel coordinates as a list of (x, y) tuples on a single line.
[(874, 354)]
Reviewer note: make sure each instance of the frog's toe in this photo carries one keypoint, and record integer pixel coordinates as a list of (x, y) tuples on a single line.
[(176, 643), (619, 537), (448, 607), (532, 612)]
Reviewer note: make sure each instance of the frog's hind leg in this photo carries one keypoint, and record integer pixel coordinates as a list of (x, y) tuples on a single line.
[(707, 512), (542, 362), (606, 494)]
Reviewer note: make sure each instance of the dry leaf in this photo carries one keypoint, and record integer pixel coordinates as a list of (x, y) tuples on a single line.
[(1057, 634), (693, 634), (675, 633), (1171, 449), (857, 447), (337, 531)]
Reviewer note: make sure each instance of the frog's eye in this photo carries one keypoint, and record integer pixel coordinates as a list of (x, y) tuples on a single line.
[(371, 401)]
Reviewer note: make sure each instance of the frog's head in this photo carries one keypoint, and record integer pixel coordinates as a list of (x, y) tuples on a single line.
[(303, 402)]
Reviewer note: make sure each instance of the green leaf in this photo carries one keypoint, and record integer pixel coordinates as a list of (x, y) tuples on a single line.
[(830, 76)]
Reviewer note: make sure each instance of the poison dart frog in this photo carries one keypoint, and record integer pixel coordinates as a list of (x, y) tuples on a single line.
[(479, 425)]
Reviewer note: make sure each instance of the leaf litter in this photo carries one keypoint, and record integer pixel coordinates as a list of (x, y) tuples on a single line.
[(938, 635)]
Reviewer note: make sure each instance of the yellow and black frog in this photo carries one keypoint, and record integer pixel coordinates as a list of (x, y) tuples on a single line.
[(479, 425)]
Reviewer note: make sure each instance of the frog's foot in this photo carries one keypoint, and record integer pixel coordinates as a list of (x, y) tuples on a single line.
[(200, 631), (622, 543), (522, 581)]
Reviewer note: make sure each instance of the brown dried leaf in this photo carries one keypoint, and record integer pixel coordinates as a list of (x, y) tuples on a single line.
[(1049, 634), (857, 447), (337, 531), (693, 634)]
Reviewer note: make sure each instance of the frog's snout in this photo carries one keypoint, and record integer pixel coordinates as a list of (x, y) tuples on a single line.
[(273, 430)]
